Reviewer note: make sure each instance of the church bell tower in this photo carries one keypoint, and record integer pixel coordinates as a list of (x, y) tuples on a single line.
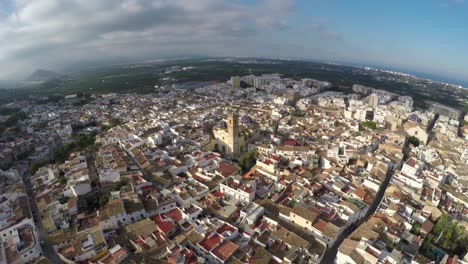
[(233, 134)]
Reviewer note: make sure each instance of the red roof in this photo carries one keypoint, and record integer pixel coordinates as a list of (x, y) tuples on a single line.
[(217, 193), (198, 178), (320, 225), (411, 162), (191, 210), (209, 243), (225, 250), (147, 189), (141, 242), (175, 214), (249, 190), (165, 227), (226, 227), (274, 157), (226, 169), (290, 142), (427, 226), (328, 215), (157, 218), (159, 237)]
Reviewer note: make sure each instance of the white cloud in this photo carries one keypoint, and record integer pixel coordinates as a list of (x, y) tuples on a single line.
[(54, 33), (321, 26)]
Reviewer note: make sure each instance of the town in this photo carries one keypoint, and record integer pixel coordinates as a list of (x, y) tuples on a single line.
[(257, 169)]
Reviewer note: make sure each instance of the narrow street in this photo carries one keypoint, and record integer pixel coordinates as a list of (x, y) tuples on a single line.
[(330, 253), (47, 248)]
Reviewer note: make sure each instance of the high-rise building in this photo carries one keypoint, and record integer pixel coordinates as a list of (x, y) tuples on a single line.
[(406, 100), (446, 111), (249, 80), (235, 81), (259, 81), (361, 89), (292, 97), (373, 100)]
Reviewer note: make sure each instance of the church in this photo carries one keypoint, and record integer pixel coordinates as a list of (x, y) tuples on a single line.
[(233, 135)]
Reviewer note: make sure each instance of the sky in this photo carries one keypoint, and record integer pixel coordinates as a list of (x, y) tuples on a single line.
[(428, 36)]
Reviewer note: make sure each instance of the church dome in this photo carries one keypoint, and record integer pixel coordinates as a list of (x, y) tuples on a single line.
[(222, 124), (246, 120), (414, 118)]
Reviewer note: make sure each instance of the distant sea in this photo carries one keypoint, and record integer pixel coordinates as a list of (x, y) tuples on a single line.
[(424, 75)]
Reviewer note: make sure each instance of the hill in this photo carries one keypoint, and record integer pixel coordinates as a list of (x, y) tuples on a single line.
[(41, 75)]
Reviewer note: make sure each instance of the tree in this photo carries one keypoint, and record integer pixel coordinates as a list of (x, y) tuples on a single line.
[(414, 141), (103, 200), (119, 185), (415, 228), (62, 180), (248, 160), (36, 165), (292, 203), (369, 124), (14, 118), (444, 223)]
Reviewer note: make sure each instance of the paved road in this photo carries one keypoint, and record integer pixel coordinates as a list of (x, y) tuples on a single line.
[(330, 253), (47, 249)]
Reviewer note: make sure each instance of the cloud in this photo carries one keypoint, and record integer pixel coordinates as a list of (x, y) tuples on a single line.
[(57, 33), (321, 26), (448, 3)]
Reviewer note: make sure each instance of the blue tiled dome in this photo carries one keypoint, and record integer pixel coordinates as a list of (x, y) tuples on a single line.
[(246, 120), (222, 124), (414, 118)]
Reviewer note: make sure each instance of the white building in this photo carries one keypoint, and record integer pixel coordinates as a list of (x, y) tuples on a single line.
[(412, 167), (419, 133), (235, 189)]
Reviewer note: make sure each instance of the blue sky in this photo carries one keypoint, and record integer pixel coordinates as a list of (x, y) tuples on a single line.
[(429, 36), (423, 36)]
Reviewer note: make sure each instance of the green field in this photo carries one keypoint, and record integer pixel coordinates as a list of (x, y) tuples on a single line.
[(141, 78)]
